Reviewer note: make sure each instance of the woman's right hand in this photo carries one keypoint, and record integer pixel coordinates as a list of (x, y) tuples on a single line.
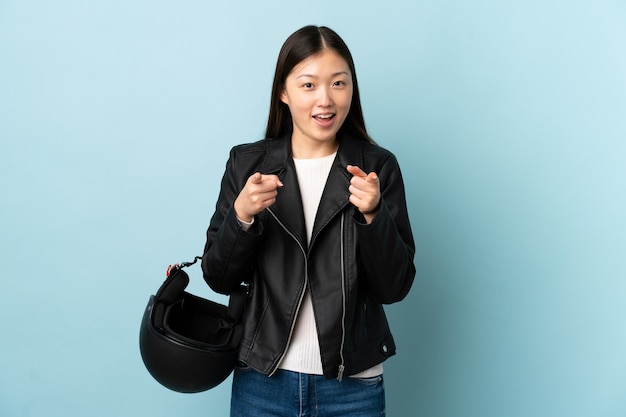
[(258, 194)]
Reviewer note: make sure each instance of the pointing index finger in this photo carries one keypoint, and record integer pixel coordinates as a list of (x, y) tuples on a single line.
[(273, 178), (355, 170), (358, 172)]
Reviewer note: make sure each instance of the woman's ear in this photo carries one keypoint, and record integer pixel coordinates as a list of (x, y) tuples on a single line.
[(283, 96)]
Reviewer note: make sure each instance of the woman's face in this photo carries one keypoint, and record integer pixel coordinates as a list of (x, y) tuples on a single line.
[(318, 92)]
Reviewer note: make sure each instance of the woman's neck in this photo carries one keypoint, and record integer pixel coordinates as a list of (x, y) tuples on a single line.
[(301, 150)]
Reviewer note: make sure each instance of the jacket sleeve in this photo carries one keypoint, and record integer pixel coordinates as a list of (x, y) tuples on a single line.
[(386, 246), (228, 258)]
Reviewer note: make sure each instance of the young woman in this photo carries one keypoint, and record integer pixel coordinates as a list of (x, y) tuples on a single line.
[(314, 218)]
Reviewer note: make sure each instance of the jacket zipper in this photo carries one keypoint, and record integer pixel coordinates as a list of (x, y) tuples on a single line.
[(343, 299), (306, 282)]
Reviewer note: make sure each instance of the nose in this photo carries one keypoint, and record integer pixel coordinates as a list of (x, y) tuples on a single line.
[(324, 98)]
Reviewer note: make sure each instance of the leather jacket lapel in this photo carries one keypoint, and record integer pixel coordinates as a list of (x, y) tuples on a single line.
[(334, 198), (336, 195), (288, 206)]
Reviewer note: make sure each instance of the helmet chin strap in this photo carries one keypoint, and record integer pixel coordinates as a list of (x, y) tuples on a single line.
[(186, 264), (170, 268)]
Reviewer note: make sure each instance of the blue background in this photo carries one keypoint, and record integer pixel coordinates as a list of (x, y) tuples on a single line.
[(509, 121)]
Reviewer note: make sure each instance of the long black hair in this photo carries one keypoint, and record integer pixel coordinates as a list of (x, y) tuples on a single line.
[(302, 44)]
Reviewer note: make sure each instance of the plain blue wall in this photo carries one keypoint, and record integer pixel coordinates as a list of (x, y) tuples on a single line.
[(508, 119)]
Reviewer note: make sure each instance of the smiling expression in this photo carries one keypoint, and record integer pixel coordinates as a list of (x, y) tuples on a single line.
[(318, 92)]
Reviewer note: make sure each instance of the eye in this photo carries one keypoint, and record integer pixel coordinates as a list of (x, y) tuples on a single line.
[(307, 85), (339, 83)]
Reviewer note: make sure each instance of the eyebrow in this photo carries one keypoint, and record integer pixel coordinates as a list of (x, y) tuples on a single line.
[(332, 75)]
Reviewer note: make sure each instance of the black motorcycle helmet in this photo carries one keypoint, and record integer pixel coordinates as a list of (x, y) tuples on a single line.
[(187, 343)]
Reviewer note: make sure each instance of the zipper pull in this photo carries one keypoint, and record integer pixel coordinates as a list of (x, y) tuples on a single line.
[(340, 374)]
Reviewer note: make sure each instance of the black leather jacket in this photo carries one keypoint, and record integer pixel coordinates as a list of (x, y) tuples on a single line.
[(350, 268)]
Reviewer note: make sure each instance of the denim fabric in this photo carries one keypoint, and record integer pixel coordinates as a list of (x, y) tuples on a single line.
[(294, 394)]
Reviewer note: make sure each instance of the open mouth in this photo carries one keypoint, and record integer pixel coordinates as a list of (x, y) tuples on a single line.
[(324, 117)]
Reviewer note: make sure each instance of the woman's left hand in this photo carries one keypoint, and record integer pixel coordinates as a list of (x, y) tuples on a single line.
[(364, 192)]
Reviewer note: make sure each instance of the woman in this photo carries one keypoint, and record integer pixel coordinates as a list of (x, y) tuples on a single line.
[(314, 218)]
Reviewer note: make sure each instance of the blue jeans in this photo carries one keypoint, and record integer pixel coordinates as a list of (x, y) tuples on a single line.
[(294, 394)]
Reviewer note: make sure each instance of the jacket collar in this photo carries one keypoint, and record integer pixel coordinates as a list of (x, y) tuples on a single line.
[(288, 206)]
